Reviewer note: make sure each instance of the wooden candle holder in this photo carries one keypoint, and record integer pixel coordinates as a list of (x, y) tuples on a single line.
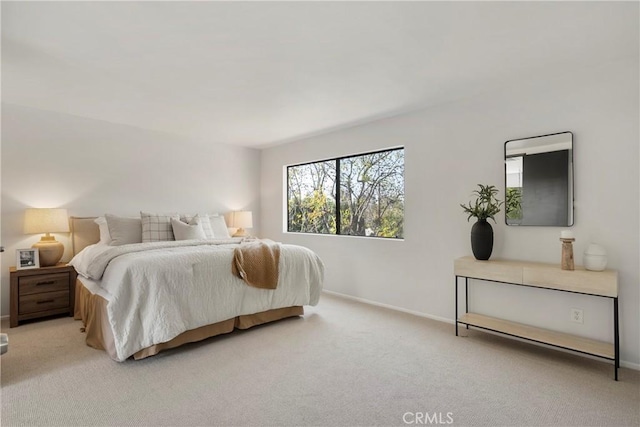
[(567, 254)]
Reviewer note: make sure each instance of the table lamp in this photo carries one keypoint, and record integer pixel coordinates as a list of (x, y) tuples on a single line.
[(241, 220), (47, 221)]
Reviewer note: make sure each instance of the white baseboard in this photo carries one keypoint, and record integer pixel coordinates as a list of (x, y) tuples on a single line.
[(634, 366), (390, 307), (623, 363)]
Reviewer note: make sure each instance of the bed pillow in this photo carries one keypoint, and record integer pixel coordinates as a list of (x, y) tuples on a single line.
[(219, 226), (157, 227), (105, 237), (124, 230), (204, 221), (191, 231)]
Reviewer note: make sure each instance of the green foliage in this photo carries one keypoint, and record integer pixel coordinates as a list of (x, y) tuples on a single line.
[(313, 214), (486, 204), (392, 224), (513, 203)]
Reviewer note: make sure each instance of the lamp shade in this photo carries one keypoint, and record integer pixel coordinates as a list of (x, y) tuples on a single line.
[(242, 219), (45, 221)]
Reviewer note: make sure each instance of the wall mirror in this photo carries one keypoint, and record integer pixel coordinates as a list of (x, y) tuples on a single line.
[(539, 180)]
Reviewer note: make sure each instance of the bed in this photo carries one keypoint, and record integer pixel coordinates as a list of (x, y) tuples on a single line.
[(136, 300)]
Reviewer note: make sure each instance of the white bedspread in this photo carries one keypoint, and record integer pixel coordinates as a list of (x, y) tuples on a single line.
[(156, 291)]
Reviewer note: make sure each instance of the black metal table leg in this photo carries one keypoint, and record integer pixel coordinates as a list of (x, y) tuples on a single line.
[(456, 318), (466, 296), (616, 338)]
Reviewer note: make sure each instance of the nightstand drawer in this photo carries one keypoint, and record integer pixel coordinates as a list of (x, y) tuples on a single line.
[(44, 301), (44, 283)]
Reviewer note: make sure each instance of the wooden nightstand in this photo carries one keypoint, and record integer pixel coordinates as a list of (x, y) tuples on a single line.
[(41, 292)]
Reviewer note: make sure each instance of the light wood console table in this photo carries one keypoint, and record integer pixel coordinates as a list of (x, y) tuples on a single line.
[(547, 276)]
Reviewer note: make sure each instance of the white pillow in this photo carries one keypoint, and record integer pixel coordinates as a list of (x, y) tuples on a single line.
[(191, 231), (123, 230), (204, 221), (219, 227), (105, 237), (157, 227)]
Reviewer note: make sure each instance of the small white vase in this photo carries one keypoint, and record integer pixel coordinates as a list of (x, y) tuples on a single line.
[(595, 257)]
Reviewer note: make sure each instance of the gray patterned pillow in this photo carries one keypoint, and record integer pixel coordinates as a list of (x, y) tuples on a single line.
[(157, 227)]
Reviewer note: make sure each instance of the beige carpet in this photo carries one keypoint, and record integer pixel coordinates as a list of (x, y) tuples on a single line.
[(343, 364)]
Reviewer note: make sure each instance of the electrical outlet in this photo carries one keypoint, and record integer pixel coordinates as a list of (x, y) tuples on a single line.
[(577, 315)]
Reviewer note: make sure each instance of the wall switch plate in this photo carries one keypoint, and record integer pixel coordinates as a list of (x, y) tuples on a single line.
[(577, 315)]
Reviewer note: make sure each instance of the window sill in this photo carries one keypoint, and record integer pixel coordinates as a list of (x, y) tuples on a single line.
[(297, 233)]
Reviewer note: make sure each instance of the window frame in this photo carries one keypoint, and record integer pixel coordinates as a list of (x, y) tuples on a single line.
[(337, 161)]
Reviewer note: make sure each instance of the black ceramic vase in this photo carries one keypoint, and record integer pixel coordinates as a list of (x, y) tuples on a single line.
[(482, 240)]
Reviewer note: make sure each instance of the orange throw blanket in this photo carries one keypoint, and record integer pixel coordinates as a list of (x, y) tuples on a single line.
[(257, 263)]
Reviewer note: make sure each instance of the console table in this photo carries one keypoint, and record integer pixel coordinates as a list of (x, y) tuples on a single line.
[(602, 284)]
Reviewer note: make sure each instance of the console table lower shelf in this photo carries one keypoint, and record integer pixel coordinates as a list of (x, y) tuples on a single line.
[(544, 336)]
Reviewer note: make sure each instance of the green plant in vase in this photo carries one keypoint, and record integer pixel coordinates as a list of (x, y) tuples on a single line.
[(485, 206)]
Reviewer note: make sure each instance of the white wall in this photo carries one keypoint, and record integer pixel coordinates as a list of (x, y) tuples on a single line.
[(451, 148), (93, 167)]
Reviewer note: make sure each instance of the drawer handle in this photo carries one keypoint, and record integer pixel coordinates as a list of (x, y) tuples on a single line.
[(46, 301), (50, 282)]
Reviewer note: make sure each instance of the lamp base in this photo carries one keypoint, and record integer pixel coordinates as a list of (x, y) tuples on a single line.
[(50, 251), (240, 233)]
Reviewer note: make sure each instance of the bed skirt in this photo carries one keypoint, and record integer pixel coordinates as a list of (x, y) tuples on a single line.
[(92, 310)]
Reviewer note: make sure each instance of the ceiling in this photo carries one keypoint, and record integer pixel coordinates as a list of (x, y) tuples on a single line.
[(263, 73)]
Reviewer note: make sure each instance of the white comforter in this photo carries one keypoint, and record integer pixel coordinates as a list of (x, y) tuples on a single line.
[(156, 291)]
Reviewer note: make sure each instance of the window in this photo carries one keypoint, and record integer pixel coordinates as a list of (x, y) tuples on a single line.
[(370, 201)]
